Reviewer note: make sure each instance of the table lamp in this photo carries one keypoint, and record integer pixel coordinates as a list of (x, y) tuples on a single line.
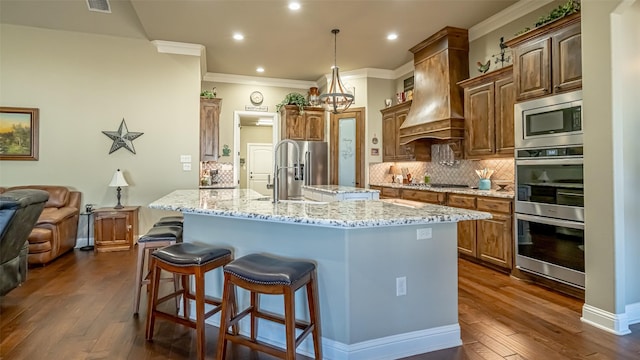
[(393, 170), (118, 181)]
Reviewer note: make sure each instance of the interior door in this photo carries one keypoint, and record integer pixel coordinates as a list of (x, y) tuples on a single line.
[(347, 148), (259, 167)]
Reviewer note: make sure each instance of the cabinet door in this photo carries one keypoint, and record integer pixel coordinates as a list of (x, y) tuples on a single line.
[(494, 240), (532, 69), (505, 98), (567, 59), (467, 237), (295, 126), (389, 135), (113, 231), (314, 125), (424, 196), (209, 129), (479, 120)]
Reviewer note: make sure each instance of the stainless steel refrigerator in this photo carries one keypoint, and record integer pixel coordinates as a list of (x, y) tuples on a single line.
[(314, 163)]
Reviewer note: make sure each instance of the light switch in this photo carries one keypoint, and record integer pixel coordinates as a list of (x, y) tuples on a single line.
[(186, 166), (185, 158)]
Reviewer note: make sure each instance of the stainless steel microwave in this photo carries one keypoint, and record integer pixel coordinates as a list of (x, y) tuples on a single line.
[(550, 121)]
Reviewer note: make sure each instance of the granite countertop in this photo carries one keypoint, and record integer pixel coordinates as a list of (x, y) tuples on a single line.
[(338, 189), (249, 204), (507, 194)]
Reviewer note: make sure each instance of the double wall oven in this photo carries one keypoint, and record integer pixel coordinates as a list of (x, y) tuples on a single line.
[(549, 206)]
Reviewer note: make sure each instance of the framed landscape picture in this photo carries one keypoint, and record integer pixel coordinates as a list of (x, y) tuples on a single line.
[(18, 133)]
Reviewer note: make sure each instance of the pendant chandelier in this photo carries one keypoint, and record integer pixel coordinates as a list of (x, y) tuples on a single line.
[(337, 99)]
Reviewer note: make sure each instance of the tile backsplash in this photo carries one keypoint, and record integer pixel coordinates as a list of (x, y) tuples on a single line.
[(461, 173), (225, 170)]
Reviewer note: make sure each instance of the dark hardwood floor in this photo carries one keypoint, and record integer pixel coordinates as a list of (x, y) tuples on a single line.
[(80, 307)]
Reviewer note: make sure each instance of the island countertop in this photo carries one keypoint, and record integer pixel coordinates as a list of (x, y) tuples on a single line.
[(249, 204), (338, 189)]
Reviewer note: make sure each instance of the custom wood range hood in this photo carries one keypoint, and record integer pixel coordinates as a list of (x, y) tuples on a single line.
[(437, 109)]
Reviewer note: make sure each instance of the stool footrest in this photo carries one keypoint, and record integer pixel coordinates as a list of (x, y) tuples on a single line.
[(257, 345)]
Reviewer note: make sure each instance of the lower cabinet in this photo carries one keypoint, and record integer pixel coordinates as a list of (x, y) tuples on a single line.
[(431, 197), (488, 240), (115, 228)]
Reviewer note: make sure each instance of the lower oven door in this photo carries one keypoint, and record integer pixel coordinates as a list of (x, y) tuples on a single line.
[(550, 247)]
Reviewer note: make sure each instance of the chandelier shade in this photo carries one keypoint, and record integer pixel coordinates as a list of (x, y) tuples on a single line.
[(337, 99)]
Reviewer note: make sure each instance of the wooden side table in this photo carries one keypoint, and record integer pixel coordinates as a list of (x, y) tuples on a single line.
[(114, 229)]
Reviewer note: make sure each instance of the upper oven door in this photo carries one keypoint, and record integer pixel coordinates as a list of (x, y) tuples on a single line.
[(550, 121), (550, 187)]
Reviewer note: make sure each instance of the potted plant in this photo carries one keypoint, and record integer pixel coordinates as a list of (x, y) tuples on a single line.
[(293, 99), (208, 94)]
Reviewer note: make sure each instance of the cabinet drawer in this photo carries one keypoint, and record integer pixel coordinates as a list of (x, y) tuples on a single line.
[(390, 192), (424, 196), (462, 201), (494, 205)]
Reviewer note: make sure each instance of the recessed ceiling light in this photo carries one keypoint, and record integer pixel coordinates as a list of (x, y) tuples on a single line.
[(392, 36), (294, 5), (238, 36), (260, 69)]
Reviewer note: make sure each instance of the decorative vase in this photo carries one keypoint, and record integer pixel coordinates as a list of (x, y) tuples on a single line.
[(314, 96), (484, 184)]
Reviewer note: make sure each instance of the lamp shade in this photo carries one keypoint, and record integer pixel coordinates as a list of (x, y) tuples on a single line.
[(118, 180), (393, 170)]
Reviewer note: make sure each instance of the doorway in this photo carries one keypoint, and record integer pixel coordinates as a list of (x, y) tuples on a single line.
[(252, 127), (259, 168), (347, 148)]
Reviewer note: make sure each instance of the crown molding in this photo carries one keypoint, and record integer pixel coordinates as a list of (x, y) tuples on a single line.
[(255, 80), (403, 70), (504, 17), (180, 48)]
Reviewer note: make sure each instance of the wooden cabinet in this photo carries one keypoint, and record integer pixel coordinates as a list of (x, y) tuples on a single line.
[(387, 192), (490, 240), (306, 126), (392, 119), (548, 59), (115, 229), (488, 114), (209, 128), (431, 197)]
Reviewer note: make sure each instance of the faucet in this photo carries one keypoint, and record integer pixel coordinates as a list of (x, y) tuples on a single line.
[(276, 169)]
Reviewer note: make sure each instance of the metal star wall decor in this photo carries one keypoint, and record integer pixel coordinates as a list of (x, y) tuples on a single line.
[(122, 138)]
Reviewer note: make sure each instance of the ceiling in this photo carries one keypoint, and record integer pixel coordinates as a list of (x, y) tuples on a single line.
[(296, 45)]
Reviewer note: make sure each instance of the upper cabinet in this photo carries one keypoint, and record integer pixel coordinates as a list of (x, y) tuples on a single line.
[(392, 119), (548, 60), (306, 126), (209, 128), (488, 114)]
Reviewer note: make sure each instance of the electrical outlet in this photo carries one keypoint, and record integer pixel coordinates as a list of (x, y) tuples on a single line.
[(424, 233), (401, 286), (186, 166), (185, 158)]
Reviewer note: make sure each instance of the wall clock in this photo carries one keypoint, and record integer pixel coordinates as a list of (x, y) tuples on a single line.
[(256, 98)]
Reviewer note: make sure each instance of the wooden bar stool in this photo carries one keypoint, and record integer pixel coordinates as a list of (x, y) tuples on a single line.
[(155, 238), (263, 274), (170, 221), (186, 259)]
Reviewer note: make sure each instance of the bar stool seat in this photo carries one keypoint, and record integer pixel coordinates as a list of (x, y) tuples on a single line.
[(187, 259), (155, 238), (170, 221), (265, 274)]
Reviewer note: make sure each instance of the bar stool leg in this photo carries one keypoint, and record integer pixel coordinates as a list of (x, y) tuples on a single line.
[(290, 323), (139, 275), (200, 313), (225, 316), (153, 296), (255, 305), (314, 314)]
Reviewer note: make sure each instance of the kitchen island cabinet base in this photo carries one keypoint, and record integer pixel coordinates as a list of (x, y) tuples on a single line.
[(361, 315)]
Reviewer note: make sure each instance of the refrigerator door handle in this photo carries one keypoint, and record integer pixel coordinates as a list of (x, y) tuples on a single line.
[(307, 172)]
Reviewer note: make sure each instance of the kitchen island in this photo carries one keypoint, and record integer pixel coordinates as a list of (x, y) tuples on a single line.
[(387, 274)]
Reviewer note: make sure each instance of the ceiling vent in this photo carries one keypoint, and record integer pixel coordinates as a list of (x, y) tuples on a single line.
[(99, 6)]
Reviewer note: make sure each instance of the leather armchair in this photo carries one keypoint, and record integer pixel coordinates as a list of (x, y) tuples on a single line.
[(56, 230), (19, 211)]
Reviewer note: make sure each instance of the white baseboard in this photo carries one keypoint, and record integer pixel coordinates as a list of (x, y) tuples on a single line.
[(633, 313), (386, 348), (614, 323)]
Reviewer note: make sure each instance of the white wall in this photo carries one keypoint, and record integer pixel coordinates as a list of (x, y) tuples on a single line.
[(84, 84)]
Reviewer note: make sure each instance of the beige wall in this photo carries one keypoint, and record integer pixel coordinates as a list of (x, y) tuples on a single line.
[(483, 47), (84, 84), (252, 134), (379, 90)]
